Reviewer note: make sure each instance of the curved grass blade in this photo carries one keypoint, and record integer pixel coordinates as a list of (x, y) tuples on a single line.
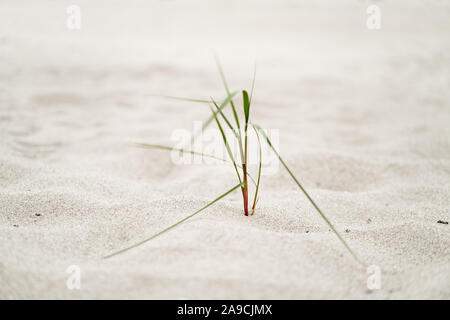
[(223, 116), (227, 146), (161, 147), (255, 200), (211, 118), (179, 98), (227, 89), (174, 225), (238, 137), (305, 192), (158, 146), (253, 83), (224, 103), (246, 103)]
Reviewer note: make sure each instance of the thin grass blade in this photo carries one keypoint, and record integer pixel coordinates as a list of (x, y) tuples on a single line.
[(236, 118), (255, 200), (306, 193), (175, 224), (211, 118), (253, 83), (236, 133), (246, 103), (225, 102), (218, 110), (161, 147), (227, 146), (227, 89), (179, 98)]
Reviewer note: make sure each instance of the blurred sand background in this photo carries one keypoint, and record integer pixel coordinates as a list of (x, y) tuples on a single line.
[(364, 123)]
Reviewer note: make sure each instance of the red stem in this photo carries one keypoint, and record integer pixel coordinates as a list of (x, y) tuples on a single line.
[(245, 189)]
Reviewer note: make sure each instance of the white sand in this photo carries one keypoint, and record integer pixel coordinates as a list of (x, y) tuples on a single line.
[(364, 123)]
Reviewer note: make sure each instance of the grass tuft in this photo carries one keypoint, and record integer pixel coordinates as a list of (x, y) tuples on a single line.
[(324, 217), (243, 148), (173, 225)]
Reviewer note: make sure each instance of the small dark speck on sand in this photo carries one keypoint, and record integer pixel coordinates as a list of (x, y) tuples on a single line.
[(37, 214), (307, 231), (442, 222), (347, 230), (15, 225), (369, 220)]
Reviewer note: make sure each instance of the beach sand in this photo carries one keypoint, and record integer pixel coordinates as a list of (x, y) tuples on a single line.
[(363, 118)]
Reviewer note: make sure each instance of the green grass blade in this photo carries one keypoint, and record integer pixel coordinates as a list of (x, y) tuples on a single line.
[(227, 146), (246, 103), (227, 89), (161, 147), (224, 103), (223, 115), (253, 83), (179, 98), (211, 118), (306, 193), (173, 225), (158, 146), (255, 200), (237, 133)]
